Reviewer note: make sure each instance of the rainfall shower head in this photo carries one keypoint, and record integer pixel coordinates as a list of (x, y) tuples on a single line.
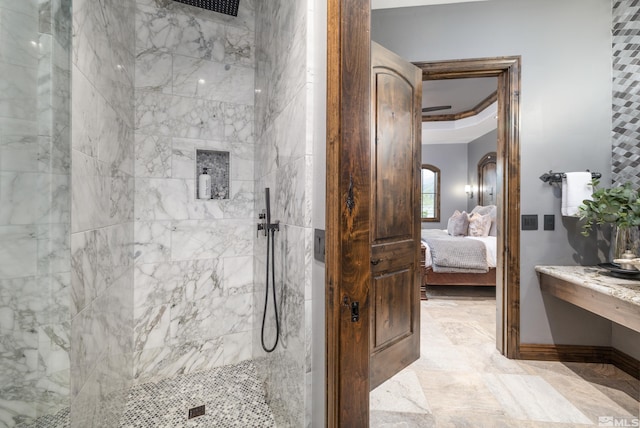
[(228, 7)]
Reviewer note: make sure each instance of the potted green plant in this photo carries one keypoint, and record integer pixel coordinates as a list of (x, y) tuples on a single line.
[(618, 206)]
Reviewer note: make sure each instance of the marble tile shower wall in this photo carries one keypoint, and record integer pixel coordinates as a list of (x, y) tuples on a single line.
[(102, 210), (34, 209), (193, 302), (284, 163)]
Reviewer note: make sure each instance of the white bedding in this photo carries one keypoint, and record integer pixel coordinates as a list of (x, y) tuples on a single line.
[(489, 241)]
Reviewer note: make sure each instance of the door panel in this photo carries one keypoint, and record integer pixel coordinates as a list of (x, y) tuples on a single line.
[(392, 167), (396, 90)]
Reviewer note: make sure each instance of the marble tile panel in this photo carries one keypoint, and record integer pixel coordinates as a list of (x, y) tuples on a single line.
[(28, 7), (172, 282), (237, 347), (163, 30), (44, 84), (18, 96), (85, 126), (154, 70), (103, 37), (198, 78), (308, 336), (98, 200), (239, 46), (20, 300), (290, 196), (240, 206), (152, 241), (402, 393), (238, 123), (153, 156), (90, 342), (20, 153), (531, 397), (53, 355), (18, 245), (191, 320), (115, 140), (17, 32), (99, 258), (209, 240), (238, 275), (156, 364), (151, 326), (160, 114), (172, 199), (171, 11)]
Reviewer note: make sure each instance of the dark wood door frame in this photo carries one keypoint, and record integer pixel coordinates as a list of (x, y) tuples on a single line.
[(507, 70), (348, 202)]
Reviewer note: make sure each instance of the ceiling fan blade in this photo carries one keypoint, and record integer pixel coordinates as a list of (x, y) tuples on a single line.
[(435, 108)]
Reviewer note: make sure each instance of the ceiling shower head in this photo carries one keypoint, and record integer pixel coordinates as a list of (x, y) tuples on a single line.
[(228, 7)]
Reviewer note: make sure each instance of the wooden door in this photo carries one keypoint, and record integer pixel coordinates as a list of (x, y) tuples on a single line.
[(396, 92)]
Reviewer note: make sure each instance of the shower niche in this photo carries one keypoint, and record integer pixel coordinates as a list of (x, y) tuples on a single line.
[(216, 164)]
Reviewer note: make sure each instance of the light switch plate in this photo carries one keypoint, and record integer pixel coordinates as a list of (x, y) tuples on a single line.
[(529, 222)]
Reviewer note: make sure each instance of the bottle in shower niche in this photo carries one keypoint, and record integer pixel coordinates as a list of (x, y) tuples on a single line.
[(204, 185)]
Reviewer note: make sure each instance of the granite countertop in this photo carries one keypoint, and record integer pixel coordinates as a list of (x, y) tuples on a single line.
[(598, 280)]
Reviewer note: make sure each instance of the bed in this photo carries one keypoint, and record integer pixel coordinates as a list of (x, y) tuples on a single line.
[(434, 274)]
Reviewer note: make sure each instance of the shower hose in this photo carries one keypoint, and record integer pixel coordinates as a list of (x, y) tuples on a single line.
[(270, 237)]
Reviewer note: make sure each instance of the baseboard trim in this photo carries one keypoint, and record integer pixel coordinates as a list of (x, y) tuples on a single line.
[(625, 362), (580, 354)]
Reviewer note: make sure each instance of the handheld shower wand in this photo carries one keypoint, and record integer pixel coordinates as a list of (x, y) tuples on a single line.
[(269, 230)]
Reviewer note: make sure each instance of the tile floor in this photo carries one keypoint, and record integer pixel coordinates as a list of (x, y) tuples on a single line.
[(460, 379), (232, 395)]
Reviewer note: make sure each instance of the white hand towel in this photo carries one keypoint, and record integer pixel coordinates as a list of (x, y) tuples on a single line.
[(576, 187)]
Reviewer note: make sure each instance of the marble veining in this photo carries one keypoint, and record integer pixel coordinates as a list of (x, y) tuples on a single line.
[(194, 307), (592, 277), (35, 282)]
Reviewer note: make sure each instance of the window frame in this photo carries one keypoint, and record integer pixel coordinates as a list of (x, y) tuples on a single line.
[(436, 171)]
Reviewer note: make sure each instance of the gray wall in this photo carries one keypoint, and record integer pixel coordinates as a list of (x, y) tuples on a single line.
[(563, 126), (452, 161), (476, 151)]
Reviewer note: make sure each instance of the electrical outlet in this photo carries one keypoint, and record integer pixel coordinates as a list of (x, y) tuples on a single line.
[(529, 222), (549, 222), (196, 411)]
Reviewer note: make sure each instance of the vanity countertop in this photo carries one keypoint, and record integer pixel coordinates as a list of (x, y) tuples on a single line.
[(594, 289)]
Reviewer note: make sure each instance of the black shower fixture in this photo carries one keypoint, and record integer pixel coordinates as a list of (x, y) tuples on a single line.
[(228, 7)]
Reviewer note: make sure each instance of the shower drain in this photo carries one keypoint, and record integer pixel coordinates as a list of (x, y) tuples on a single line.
[(194, 412)]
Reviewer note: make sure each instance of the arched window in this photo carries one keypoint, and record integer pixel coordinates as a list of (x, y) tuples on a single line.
[(430, 194)]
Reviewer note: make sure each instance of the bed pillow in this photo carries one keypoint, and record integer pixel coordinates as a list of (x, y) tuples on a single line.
[(458, 224), (492, 210), (479, 225)]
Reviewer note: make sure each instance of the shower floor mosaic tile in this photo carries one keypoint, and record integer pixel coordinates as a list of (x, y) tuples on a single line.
[(232, 395)]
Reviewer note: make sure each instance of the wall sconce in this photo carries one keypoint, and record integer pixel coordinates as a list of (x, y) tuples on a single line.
[(468, 189)]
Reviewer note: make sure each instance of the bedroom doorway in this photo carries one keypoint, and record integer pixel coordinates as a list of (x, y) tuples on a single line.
[(507, 70), (347, 225)]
